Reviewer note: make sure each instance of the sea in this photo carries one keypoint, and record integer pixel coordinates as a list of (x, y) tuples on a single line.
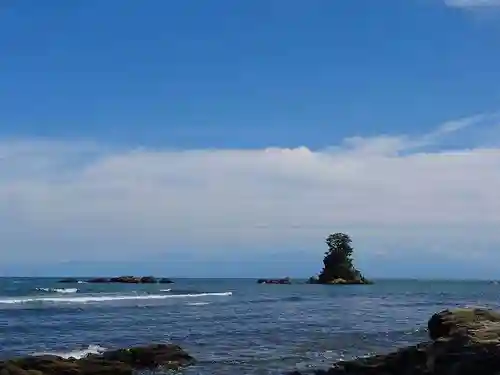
[(231, 326)]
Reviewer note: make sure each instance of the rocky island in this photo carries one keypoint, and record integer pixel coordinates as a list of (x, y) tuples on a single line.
[(338, 265), (284, 281), (121, 280)]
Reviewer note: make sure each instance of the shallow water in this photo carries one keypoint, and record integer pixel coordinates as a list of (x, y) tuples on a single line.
[(230, 326)]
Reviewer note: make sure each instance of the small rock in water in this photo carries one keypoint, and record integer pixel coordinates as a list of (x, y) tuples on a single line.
[(69, 280)]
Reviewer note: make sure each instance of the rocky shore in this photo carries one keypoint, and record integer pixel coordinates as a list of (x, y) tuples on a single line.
[(117, 362), (120, 279), (462, 342)]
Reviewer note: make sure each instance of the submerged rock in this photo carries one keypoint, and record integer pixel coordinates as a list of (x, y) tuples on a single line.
[(117, 362), (165, 281), (463, 342)]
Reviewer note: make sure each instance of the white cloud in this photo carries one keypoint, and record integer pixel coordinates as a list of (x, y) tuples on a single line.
[(472, 3), (76, 201)]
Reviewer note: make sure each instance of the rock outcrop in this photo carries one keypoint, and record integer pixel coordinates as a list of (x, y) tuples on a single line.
[(118, 362), (69, 280), (130, 280), (99, 280), (338, 265), (125, 280), (286, 280), (463, 342)]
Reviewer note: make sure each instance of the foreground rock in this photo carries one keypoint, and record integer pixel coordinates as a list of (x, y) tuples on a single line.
[(463, 342), (118, 362)]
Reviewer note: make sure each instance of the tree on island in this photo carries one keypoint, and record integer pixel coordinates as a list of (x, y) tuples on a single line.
[(338, 267)]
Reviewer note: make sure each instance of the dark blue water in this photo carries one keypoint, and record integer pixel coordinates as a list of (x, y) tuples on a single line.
[(230, 326)]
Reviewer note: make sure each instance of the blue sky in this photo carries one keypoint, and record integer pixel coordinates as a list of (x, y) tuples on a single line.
[(178, 137)]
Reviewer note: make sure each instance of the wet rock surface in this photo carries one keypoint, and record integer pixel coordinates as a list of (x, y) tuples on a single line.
[(462, 342), (117, 362)]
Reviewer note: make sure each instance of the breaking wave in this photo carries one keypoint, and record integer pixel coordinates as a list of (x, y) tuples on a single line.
[(95, 298), (77, 354), (57, 290)]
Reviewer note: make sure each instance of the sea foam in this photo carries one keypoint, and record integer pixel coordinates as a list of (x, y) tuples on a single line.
[(106, 298), (77, 354), (57, 290)]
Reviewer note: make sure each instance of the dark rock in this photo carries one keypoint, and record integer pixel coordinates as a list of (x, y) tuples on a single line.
[(338, 264), (117, 362), (153, 356), (94, 366), (165, 281), (98, 280), (130, 280), (340, 281), (148, 280), (69, 280), (286, 280), (464, 342), (125, 280), (455, 322)]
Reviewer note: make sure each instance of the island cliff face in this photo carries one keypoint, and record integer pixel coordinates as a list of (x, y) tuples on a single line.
[(338, 266)]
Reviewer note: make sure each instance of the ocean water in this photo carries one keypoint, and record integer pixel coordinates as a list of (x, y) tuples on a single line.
[(230, 326)]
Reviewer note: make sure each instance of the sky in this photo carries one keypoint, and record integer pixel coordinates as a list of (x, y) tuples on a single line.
[(228, 139)]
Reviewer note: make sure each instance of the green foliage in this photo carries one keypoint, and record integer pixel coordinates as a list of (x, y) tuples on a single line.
[(338, 260)]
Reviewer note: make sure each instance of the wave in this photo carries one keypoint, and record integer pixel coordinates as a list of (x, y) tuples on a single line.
[(106, 298), (165, 290), (77, 354), (57, 290)]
